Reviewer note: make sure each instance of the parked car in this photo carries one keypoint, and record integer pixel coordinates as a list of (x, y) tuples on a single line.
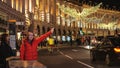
[(99, 38), (108, 50)]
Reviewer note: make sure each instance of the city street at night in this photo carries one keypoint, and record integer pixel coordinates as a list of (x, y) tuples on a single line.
[(71, 57), (59, 33)]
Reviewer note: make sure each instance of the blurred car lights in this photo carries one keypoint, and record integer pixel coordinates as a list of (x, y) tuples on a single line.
[(117, 49), (88, 47)]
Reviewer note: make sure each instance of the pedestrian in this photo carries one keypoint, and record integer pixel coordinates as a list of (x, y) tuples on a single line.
[(28, 49), (56, 42), (51, 44), (77, 41), (82, 40), (5, 50), (71, 42)]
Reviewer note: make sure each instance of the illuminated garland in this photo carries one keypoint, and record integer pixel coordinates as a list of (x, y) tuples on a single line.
[(73, 12), (88, 11), (110, 25), (68, 11), (87, 20), (77, 16), (93, 19)]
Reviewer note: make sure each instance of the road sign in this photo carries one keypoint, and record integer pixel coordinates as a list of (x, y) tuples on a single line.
[(19, 23)]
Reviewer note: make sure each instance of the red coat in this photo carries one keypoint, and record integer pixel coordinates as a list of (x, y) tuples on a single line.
[(28, 51)]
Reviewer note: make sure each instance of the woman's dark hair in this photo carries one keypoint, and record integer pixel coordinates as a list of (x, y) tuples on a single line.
[(3, 37)]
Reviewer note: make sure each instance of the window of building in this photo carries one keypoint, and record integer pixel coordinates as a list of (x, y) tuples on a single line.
[(78, 23), (58, 20), (48, 17), (63, 21), (68, 22), (42, 16)]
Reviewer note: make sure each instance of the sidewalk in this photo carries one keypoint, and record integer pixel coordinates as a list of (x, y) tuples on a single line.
[(58, 46), (67, 46)]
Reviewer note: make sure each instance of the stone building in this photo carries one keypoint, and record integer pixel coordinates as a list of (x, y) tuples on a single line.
[(44, 14)]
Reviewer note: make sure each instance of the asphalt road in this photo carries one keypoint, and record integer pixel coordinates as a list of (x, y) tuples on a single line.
[(70, 58)]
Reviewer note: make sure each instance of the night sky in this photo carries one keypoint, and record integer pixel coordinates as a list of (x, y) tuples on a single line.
[(110, 4)]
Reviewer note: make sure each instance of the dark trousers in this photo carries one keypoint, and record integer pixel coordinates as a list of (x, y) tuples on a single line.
[(4, 64)]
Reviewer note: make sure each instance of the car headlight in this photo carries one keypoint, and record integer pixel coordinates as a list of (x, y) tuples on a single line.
[(117, 49)]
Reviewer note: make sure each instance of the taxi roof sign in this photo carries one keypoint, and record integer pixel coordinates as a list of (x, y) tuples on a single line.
[(11, 20)]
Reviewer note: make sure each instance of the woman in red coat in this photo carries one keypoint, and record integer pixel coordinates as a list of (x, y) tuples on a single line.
[(28, 49)]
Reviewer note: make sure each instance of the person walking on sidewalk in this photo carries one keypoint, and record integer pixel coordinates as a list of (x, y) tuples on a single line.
[(28, 49)]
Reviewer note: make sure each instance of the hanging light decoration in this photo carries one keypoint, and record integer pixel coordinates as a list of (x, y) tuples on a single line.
[(83, 16), (93, 19), (110, 25), (88, 11), (75, 14)]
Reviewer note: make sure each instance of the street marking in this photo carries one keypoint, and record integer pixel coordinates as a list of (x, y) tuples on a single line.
[(77, 61), (69, 57), (85, 64), (75, 50), (61, 53)]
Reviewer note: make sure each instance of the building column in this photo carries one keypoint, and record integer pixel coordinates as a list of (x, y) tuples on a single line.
[(23, 6), (19, 4), (14, 4), (44, 6), (54, 12), (26, 5)]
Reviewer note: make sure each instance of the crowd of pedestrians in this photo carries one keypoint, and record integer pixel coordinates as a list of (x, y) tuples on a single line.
[(86, 40)]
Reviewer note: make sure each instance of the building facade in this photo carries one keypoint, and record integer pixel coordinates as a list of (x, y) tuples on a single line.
[(11, 10), (109, 24), (45, 14)]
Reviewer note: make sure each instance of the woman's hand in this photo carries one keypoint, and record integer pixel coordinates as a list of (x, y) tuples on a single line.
[(52, 30)]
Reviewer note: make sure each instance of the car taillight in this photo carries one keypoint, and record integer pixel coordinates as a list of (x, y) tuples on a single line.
[(117, 49)]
